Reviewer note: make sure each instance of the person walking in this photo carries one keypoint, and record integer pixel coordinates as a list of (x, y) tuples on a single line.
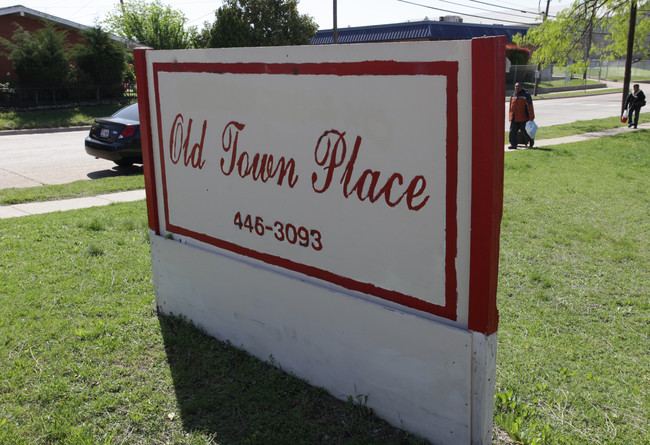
[(635, 100), (521, 111)]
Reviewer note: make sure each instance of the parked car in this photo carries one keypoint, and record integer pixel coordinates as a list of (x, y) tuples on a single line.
[(117, 138)]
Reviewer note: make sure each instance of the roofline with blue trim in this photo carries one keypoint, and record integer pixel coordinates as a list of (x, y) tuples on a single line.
[(422, 30)]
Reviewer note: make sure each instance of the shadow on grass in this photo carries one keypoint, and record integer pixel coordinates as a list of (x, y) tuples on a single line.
[(117, 171), (225, 393)]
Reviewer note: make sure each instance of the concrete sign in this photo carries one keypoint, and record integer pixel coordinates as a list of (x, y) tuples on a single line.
[(336, 207)]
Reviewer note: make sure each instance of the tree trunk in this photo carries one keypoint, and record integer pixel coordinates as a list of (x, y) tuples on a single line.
[(630, 54)]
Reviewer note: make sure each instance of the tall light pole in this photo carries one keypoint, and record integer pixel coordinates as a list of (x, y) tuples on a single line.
[(335, 37), (538, 73)]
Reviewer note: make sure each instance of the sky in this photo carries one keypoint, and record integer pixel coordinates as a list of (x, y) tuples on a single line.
[(349, 12)]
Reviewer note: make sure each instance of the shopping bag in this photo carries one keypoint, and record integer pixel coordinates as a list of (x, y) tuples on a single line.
[(624, 116), (531, 129)]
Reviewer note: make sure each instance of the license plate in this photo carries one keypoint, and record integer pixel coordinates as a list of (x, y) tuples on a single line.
[(104, 133)]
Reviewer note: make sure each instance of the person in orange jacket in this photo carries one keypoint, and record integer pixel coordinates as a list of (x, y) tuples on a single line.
[(521, 111)]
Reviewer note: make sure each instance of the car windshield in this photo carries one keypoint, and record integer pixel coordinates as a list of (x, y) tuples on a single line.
[(130, 113)]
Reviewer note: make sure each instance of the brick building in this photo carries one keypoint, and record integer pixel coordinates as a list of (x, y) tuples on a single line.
[(32, 20)]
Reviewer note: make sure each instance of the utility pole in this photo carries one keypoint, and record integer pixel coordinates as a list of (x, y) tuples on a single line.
[(630, 54), (123, 10), (538, 73), (335, 28)]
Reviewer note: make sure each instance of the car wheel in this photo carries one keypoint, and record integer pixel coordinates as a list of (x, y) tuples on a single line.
[(124, 162)]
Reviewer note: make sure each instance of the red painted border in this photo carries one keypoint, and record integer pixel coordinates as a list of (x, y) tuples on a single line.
[(448, 69), (488, 114), (140, 56)]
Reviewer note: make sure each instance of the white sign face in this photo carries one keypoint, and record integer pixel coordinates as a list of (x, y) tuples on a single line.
[(344, 172), (294, 194)]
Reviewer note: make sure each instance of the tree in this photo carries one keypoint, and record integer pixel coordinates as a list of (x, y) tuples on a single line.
[(230, 30), (568, 40), (40, 58), (517, 55), (201, 39), (151, 24), (102, 59), (619, 25), (261, 23)]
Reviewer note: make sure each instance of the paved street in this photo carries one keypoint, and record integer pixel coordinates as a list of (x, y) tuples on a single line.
[(570, 109), (28, 160)]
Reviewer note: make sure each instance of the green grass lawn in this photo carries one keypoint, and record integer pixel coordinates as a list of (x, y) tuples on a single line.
[(574, 295), (85, 358), (64, 117), (77, 189), (579, 127)]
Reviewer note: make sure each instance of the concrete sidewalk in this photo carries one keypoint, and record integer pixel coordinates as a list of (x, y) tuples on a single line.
[(582, 137), (35, 208)]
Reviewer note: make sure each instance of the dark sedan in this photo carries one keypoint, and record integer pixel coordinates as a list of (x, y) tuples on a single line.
[(117, 138)]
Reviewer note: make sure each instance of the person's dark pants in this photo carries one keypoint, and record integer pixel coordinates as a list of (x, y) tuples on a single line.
[(634, 111), (514, 130)]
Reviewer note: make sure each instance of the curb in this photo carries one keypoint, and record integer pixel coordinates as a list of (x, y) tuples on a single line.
[(559, 95), (550, 96), (43, 130)]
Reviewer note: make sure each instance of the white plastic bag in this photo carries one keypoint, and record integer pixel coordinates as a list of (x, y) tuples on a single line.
[(531, 129), (624, 116)]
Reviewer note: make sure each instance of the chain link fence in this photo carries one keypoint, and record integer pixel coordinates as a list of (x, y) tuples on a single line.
[(615, 70), (13, 97), (607, 70)]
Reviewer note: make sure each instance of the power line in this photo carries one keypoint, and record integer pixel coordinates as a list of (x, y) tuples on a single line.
[(505, 7), (461, 13), (203, 16), (516, 4), (490, 10)]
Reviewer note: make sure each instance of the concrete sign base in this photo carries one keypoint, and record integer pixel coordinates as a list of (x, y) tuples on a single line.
[(424, 377)]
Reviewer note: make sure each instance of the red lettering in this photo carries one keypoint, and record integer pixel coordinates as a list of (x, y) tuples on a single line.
[(262, 167), (326, 158), (196, 157), (385, 190), (415, 189), (179, 147), (232, 144), (367, 185), (176, 139)]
